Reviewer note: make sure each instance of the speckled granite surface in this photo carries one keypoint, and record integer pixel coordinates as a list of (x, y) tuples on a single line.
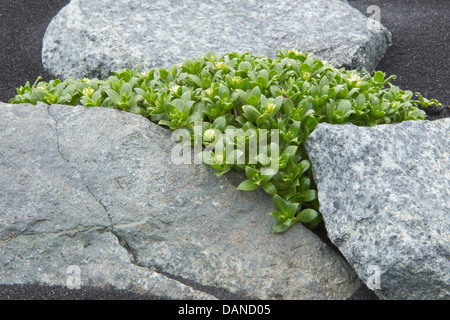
[(90, 37)]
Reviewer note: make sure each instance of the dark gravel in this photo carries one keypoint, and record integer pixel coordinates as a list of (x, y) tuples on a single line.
[(420, 58), (22, 27), (35, 292), (420, 54)]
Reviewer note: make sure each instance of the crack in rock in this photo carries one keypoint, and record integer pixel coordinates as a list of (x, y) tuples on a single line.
[(68, 232), (76, 169), (219, 293)]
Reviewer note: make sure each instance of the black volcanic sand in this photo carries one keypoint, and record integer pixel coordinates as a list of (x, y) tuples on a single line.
[(420, 53), (419, 57)]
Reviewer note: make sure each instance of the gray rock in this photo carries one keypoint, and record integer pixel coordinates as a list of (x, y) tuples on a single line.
[(95, 188), (384, 193), (90, 37), (50, 220)]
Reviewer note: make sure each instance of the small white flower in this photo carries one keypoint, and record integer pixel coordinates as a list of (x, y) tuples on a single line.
[(210, 134), (294, 51), (209, 91), (270, 107), (42, 86), (88, 91), (305, 75), (236, 79), (220, 65), (174, 89), (219, 158), (354, 77), (86, 80)]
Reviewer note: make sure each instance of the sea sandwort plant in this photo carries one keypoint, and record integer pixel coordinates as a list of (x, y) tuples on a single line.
[(255, 96)]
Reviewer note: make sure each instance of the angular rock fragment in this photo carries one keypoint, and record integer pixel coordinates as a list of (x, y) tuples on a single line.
[(91, 37), (384, 194)]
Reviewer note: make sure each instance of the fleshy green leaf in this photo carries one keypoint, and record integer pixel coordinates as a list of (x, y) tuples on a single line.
[(251, 113), (279, 227), (379, 77), (309, 195), (113, 95), (220, 123), (247, 185), (279, 203), (307, 215), (126, 89)]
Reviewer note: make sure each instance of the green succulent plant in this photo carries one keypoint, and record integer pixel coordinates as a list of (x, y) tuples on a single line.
[(291, 94)]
